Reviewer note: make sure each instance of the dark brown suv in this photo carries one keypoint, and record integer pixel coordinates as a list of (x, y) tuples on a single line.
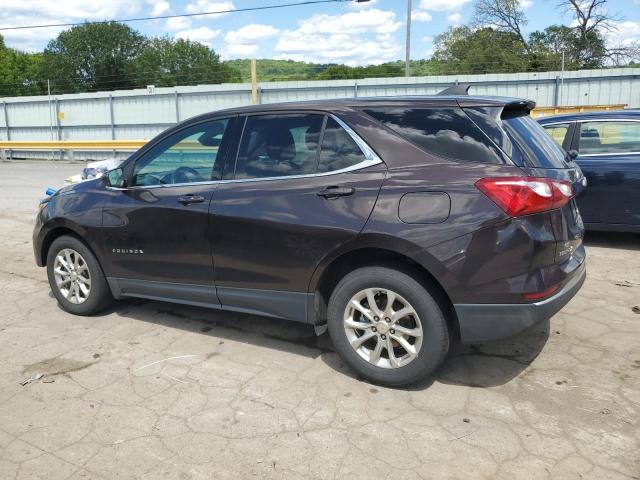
[(399, 223)]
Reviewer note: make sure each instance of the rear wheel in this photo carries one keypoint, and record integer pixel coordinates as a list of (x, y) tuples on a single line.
[(387, 326), (76, 278)]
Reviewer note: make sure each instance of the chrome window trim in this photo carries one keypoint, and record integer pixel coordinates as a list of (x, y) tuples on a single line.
[(582, 155), (584, 120), (371, 158)]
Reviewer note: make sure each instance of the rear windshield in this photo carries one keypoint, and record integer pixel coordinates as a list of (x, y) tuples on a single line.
[(520, 137), (446, 132)]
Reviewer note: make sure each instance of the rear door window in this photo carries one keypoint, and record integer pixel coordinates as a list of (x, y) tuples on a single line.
[(279, 145), (609, 137), (446, 132), (338, 150)]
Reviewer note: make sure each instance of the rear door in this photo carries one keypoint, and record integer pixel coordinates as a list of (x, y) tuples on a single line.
[(609, 155), (301, 187)]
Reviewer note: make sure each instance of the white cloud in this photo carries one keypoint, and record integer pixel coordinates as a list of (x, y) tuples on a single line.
[(353, 38), (201, 6), (250, 34), (379, 21), (454, 18), (239, 51), (442, 5), (427, 39), (201, 34), (244, 42), (421, 16), (32, 12), (529, 3), (178, 23), (625, 33), (159, 7)]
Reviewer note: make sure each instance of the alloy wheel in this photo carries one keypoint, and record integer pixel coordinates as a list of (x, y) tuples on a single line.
[(383, 328), (72, 276)]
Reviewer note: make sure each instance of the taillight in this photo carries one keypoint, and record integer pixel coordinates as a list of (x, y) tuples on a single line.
[(525, 195), (543, 294)]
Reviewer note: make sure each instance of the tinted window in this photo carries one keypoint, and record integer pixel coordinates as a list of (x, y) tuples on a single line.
[(557, 132), (609, 137), (339, 150), (446, 132), (279, 145), (532, 147), (187, 156)]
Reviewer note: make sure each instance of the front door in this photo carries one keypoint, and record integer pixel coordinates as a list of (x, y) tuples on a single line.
[(156, 229), (289, 203)]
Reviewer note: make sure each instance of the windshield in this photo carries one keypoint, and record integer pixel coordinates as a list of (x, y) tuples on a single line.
[(533, 147)]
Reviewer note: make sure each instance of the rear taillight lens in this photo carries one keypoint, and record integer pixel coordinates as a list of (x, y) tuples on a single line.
[(526, 195)]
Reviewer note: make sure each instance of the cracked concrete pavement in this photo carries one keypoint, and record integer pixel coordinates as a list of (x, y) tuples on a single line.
[(151, 390)]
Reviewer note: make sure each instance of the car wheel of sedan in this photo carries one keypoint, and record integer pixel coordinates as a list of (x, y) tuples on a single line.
[(387, 326), (76, 278)]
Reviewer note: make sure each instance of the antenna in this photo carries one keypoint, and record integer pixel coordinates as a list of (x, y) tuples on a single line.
[(457, 89)]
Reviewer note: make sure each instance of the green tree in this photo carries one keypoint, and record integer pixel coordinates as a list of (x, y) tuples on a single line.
[(485, 50), (166, 62), (93, 56), (555, 40), (19, 72)]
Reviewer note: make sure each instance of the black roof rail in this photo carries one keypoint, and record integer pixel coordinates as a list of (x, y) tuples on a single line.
[(457, 89)]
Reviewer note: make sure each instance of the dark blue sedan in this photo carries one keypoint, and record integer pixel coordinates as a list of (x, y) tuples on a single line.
[(608, 151)]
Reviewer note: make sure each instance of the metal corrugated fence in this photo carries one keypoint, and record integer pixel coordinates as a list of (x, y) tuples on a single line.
[(140, 115)]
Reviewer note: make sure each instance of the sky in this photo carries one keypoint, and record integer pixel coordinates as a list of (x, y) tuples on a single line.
[(350, 33)]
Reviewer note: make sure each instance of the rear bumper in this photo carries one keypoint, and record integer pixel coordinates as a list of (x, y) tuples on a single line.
[(481, 323)]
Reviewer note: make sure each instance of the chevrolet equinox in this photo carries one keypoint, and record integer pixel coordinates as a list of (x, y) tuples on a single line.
[(398, 224)]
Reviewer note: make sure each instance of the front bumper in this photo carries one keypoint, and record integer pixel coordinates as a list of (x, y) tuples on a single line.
[(481, 322)]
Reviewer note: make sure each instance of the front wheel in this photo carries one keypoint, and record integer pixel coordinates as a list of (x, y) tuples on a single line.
[(387, 326), (76, 278)]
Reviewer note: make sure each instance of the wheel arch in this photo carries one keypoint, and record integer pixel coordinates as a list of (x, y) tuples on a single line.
[(326, 278), (57, 231)]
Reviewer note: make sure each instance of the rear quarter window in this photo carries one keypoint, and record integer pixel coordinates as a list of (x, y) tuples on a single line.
[(446, 132)]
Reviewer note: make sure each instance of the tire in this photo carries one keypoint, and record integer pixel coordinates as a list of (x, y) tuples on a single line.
[(408, 365), (95, 295)]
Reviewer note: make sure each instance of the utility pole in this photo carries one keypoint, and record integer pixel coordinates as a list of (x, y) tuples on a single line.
[(254, 82), (562, 79), (407, 62), (50, 111)]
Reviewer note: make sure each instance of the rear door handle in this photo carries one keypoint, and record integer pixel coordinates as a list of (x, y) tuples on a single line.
[(335, 192), (189, 199)]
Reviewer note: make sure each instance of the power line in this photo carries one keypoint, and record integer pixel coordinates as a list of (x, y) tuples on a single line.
[(162, 17)]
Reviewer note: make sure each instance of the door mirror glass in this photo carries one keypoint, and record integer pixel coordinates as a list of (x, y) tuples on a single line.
[(115, 178)]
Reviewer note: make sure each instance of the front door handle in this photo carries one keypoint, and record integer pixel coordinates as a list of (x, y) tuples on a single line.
[(335, 192), (189, 199)]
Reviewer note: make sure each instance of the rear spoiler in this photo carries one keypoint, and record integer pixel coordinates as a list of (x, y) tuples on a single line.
[(526, 105)]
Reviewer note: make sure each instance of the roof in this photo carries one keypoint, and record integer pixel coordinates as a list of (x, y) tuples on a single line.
[(602, 115), (339, 103)]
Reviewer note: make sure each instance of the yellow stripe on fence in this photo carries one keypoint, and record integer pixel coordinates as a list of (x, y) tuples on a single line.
[(72, 144), (546, 111)]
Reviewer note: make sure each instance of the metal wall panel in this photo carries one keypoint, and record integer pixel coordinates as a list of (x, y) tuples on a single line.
[(139, 115)]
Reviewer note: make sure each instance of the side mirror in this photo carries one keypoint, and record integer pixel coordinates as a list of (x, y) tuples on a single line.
[(572, 155), (115, 178)]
